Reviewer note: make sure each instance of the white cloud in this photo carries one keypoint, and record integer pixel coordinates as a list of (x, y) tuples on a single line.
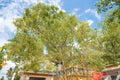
[(2, 42), (90, 22), (57, 3), (6, 23), (93, 11), (82, 14), (75, 10), (1, 24)]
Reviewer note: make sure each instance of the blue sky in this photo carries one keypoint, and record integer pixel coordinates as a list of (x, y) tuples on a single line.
[(11, 9), (84, 9)]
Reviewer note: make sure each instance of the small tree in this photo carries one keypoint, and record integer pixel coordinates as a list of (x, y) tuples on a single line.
[(110, 30), (1, 58)]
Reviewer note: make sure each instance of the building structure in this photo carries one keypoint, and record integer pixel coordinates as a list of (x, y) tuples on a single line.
[(112, 70), (72, 73)]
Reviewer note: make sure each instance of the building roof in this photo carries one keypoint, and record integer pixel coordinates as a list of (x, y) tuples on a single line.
[(48, 73), (113, 71), (37, 73)]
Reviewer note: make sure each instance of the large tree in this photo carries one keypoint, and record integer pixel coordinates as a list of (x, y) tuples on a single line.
[(46, 34)]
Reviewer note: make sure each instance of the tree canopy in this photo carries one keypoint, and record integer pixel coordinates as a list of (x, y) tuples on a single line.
[(47, 36), (111, 38), (110, 30)]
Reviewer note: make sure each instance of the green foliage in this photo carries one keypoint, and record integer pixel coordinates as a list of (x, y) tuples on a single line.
[(41, 25), (104, 5), (1, 59), (112, 16), (67, 40), (111, 46), (2, 78), (89, 54), (111, 38)]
